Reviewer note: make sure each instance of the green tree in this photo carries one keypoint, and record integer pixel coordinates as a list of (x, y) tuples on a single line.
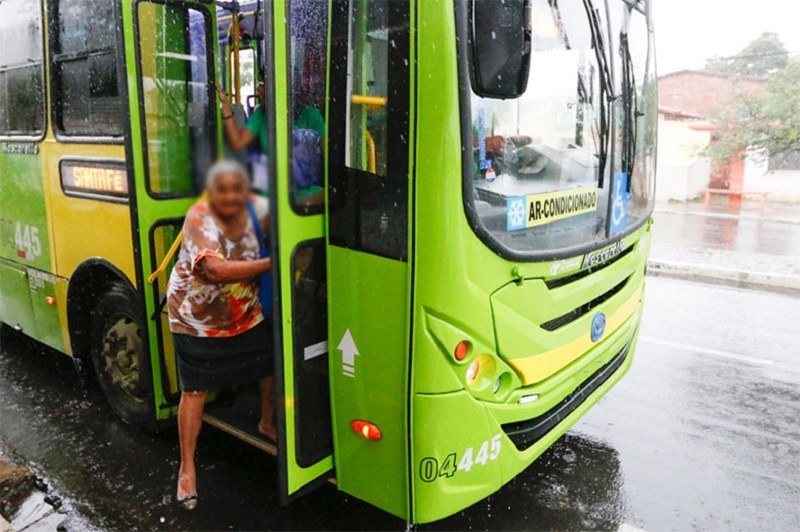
[(763, 57), (766, 125)]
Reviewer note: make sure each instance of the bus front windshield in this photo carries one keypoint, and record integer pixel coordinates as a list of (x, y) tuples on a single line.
[(545, 174)]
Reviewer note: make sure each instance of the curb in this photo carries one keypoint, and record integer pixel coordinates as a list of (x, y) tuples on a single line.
[(743, 279)]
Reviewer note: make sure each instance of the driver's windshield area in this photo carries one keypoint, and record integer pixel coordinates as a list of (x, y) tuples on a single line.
[(539, 173)]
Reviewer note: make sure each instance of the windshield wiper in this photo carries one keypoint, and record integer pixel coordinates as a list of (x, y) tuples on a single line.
[(630, 101), (606, 93)]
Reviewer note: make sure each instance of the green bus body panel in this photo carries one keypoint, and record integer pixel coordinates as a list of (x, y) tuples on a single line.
[(368, 296), (22, 209), (15, 303), (25, 252)]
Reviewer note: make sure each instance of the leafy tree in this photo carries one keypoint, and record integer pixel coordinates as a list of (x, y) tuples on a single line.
[(766, 125), (763, 57)]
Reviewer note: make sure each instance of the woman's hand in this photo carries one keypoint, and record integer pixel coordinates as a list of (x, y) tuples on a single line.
[(227, 108)]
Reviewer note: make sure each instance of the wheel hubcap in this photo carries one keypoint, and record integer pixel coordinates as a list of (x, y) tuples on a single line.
[(122, 351)]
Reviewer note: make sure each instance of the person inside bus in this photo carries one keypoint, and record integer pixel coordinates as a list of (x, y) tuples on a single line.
[(308, 133), (220, 334)]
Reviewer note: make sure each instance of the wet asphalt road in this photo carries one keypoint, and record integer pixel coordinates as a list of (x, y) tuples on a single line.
[(702, 433)]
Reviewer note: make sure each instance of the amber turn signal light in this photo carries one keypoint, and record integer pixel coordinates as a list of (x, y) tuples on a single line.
[(368, 430), (50, 301)]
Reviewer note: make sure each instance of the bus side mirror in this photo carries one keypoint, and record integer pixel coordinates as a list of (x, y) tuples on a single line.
[(499, 47)]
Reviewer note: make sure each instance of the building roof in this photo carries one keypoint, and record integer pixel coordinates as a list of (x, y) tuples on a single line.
[(698, 94), (714, 74)]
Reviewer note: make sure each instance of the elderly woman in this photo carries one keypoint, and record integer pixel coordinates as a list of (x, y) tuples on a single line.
[(220, 334)]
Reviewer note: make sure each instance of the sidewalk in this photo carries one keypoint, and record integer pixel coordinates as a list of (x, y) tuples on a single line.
[(741, 247)]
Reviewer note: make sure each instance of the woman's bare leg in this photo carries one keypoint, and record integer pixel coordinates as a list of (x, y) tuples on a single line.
[(190, 419), (267, 424)]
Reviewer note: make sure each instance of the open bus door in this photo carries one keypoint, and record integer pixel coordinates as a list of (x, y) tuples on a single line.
[(299, 50), (170, 62)]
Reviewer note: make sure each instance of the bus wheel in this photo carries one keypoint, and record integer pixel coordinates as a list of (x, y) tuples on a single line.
[(119, 360)]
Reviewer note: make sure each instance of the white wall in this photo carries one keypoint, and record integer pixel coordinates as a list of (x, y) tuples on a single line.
[(682, 183), (783, 185), (681, 174)]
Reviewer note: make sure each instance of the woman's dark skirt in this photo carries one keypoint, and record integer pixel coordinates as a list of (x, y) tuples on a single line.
[(208, 364)]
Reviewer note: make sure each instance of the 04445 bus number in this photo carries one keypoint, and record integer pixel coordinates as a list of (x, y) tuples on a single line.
[(430, 469)]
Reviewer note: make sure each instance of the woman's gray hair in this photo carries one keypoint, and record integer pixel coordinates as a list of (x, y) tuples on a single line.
[(226, 166)]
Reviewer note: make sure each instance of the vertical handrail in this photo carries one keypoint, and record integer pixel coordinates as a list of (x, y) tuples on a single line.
[(371, 154), (237, 97)]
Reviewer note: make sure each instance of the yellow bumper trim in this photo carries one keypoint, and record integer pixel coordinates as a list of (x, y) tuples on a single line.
[(536, 368)]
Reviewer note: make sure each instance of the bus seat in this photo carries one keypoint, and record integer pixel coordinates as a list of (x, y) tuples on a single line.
[(239, 114)]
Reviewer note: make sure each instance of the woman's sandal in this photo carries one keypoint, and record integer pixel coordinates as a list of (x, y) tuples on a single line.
[(189, 503)]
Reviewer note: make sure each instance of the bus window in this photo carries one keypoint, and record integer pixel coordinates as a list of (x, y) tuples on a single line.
[(538, 179), (368, 87), (310, 332), (179, 120), (640, 108), (309, 42), (84, 68), (21, 73), (369, 126), (247, 77)]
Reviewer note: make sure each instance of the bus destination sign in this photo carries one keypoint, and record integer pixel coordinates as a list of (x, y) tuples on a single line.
[(95, 179)]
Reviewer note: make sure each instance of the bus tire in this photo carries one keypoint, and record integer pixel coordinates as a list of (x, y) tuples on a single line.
[(119, 359)]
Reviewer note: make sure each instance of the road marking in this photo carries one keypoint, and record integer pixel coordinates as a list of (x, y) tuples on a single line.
[(706, 351)]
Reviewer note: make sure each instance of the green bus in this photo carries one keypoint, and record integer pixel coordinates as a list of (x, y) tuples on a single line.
[(469, 284)]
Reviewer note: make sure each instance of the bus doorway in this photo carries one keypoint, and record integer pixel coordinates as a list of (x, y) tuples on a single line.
[(176, 134)]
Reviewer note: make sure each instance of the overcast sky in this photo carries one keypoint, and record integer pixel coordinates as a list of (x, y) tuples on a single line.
[(690, 31)]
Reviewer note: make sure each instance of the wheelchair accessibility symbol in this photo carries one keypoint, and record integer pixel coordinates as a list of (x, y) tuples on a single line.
[(619, 204)]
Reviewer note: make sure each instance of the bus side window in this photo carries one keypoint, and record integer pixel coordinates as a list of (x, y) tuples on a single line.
[(309, 39), (369, 44), (21, 72), (310, 333), (179, 118), (247, 80), (86, 97), (369, 126)]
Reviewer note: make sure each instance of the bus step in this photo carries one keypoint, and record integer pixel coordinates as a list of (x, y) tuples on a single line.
[(243, 435)]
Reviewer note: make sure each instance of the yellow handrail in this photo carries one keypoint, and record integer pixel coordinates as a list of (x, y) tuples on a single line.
[(371, 156), (171, 253), (229, 18), (237, 89), (370, 101), (164, 263)]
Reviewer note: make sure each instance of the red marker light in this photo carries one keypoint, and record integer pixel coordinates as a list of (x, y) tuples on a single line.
[(461, 350), (369, 430), (50, 301)]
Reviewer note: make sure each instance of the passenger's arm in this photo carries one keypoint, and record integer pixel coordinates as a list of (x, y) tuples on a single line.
[(238, 138), (219, 271)]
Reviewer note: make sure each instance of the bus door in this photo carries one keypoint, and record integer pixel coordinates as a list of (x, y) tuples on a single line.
[(368, 247), (305, 446), (174, 138)]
